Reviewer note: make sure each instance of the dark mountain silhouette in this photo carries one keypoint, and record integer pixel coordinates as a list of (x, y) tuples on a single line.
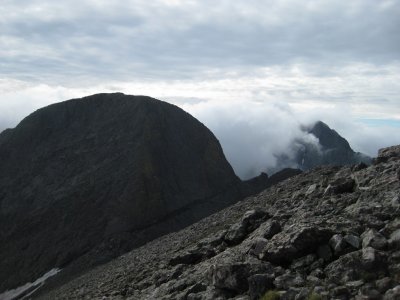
[(97, 176), (329, 148)]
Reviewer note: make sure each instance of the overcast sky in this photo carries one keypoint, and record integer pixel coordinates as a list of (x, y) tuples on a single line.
[(250, 70)]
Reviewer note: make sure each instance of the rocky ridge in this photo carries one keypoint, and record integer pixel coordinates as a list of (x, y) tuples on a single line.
[(329, 233)]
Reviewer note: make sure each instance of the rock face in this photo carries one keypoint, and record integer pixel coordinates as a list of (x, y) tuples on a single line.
[(100, 175), (329, 148), (293, 240)]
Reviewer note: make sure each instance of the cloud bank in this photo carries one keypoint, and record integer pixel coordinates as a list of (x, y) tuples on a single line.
[(252, 131), (65, 40)]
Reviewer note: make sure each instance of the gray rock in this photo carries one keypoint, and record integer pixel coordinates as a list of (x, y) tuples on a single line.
[(230, 277), (242, 297), (372, 259), (311, 189), (395, 201), (303, 262), (284, 248), (259, 284), (355, 285), (338, 244), (353, 240), (258, 246), (289, 294), (383, 284), (289, 280), (318, 273), (341, 291), (340, 186), (367, 263), (304, 294), (235, 234), (367, 292), (234, 277), (392, 294), (250, 221), (372, 238), (253, 218), (394, 240), (270, 228)]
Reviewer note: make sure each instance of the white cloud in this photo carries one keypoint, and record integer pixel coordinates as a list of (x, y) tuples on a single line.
[(254, 117)]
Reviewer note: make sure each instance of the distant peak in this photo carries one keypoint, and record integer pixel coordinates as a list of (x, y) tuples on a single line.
[(320, 124)]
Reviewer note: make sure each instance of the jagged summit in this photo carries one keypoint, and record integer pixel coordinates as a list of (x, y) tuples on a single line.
[(328, 138), (326, 147)]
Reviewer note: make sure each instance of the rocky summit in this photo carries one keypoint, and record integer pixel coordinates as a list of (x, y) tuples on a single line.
[(329, 233), (326, 147), (88, 179)]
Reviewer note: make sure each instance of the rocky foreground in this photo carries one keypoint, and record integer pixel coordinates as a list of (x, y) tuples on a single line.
[(330, 233)]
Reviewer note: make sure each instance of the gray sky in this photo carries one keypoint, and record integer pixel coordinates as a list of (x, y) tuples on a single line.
[(250, 70)]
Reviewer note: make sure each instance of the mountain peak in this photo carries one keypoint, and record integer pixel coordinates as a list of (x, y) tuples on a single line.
[(75, 174), (328, 138), (327, 147)]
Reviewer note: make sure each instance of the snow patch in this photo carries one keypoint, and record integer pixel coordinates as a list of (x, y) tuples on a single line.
[(28, 288)]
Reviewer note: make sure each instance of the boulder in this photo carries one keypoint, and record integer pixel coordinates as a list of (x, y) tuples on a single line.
[(249, 222), (234, 277), (259, 284), (362, 264), (394, 240), (338, 244), (230, 277), (270, 228), (311, 189), (303, 263), (392, 294), (372, 259), (258, 246), (289, 280), (353, 240), (235, 234), (294, 243), (383, 284), (372, 238), (253, 218), (340, 186)]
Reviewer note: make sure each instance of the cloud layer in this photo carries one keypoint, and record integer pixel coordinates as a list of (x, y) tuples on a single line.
[(47, 40)]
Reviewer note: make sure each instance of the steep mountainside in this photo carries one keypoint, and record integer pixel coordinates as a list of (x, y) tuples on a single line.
[(330, 233), (94, 177), (329, 148)]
